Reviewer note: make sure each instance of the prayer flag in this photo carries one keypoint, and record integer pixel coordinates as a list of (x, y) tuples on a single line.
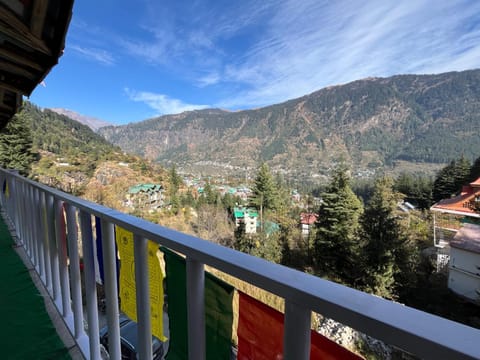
[(260, 335), (322, 348), (218, 311), (260, 330), (124, 240)]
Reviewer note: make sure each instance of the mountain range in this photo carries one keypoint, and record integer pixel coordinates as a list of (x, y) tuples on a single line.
[(405, 121), (92, 122)]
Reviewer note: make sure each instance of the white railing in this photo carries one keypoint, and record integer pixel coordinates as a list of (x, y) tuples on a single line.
[(28, 203)]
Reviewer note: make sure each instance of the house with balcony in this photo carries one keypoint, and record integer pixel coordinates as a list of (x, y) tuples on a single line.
[(246, 217), (145, 196), (307, 221), (464, 264), (457, 238)]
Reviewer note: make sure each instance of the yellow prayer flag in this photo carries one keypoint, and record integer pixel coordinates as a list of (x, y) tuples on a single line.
[(124, 240)]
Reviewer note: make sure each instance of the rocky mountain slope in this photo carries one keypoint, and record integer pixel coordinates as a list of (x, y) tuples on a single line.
[(372, 123), (71, 157), (91, 122)]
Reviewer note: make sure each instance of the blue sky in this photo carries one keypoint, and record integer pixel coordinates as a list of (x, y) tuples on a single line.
[(126, 61)]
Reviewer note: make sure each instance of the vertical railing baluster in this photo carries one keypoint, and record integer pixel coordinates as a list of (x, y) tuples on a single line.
[(39, 234), (296, 337), (111, 288), (62, 261), (46, 241), (196, 309), (22, 215), (142, 297), (16, 209), (75, 278), (90, 284), (30, 248), (52, 244)]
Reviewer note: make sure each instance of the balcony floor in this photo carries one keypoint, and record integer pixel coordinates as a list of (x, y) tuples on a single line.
[(26, 330)]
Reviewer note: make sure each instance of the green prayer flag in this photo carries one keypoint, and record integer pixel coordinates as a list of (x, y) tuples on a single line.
[(218, 317), (218, 311), (177, 305)]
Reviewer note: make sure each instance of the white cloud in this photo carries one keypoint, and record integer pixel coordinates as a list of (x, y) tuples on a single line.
[(161, 103), (209, 79), (260, 53), (312, 44), (98, 55)]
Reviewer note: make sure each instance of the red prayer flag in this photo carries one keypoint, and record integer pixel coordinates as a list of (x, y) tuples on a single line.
[(260, 330), (323, 348), (260, 335)]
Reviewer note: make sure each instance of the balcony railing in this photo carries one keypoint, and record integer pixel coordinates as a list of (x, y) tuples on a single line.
[(28, 203)]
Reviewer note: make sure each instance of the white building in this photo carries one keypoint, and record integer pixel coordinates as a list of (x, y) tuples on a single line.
[(464, 266)]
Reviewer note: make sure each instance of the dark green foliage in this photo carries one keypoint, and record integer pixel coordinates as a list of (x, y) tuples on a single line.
[(381, 232), (416, 189), (61, 135), (265, 189), (337, 249), (174, 181), (475, 170), (451, 178), (242, 242), (66, 140), (16, 144)]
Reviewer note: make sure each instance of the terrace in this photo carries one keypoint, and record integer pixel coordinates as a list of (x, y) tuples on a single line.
[(35, 212)]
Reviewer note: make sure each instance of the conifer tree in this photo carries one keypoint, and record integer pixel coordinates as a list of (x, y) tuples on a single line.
[(16, 145), (451, 178), (265, 189), (475, 170), (381, 232), (337, 248)]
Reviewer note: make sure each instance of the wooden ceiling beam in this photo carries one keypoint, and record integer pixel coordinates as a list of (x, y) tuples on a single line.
[(11, 88), (18, 31), (10, 55), (17, 70), (39, 13)]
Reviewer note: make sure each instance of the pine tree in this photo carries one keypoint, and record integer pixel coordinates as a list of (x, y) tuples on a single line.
[(265, 189), (475, 170), (337, 248), (462, 173), (381, 233), (16, 145), (451, 178)]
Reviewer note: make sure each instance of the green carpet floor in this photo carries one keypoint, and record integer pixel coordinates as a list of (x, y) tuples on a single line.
[(26, 331)]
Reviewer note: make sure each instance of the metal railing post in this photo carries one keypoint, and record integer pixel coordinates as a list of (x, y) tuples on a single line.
[(142, 297), (52, 244), (90, 284), (75, 278), (39, 234), (111, 288), (196, 309), (46, 241), (16, 207), (62, 260), (296, 336), (29, 207)]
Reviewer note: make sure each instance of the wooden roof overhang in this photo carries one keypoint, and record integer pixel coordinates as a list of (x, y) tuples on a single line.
[(32, 38)]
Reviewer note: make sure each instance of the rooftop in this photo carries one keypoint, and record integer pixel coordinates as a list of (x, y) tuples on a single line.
[(467, 238), (461, 204)]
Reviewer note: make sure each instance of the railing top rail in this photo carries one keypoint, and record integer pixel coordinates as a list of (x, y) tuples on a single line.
[(415, 331)]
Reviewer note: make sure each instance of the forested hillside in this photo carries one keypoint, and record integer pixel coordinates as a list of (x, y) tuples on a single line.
[(372, 124), (70, 156)]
